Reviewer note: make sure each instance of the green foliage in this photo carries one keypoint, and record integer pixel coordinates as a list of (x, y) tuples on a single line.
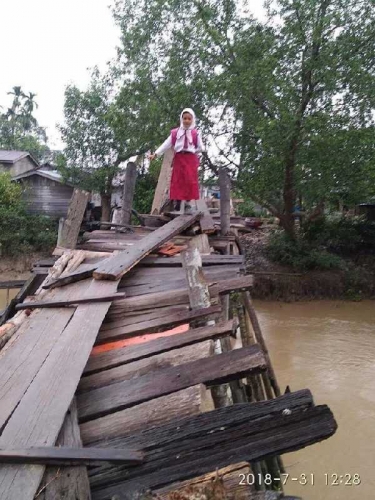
[(145, 187), (22, 233), (19, 128), (300, 255), (246, 209), (342, 235), (19, 231), (287, 104), (10, 192)]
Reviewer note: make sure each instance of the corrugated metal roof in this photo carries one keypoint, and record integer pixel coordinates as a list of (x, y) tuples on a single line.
[(8, 156), (53, 175)]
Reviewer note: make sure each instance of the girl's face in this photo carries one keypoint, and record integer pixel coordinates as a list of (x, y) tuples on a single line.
[(187, 120)]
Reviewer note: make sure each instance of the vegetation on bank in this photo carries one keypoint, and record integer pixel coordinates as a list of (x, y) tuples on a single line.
[(20, 232)]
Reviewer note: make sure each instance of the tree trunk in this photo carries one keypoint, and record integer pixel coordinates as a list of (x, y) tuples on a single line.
[(106, 207)]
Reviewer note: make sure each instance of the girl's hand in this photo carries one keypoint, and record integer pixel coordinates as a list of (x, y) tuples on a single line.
[(151, 156)]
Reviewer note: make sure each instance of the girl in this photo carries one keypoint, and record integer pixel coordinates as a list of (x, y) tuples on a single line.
[(186, 142)]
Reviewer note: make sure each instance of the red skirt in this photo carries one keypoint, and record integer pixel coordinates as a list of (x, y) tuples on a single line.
[(184, 182)]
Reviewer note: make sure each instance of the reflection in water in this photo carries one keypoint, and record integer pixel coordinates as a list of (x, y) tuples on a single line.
[(329, 348)]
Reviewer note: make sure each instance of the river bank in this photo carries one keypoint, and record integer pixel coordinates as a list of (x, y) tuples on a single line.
[(283, 283)]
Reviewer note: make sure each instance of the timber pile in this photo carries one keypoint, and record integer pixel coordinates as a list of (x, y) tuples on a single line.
[(133, 380)]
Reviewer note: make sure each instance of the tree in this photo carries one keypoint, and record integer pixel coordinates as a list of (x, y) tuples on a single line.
[(94, 151), (19, 128), (288, 103)]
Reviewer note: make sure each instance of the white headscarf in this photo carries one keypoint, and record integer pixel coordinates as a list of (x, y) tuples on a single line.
[(181, 130)]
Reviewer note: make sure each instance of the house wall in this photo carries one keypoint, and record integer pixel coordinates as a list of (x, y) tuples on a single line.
[(47, 197), (19, 167)]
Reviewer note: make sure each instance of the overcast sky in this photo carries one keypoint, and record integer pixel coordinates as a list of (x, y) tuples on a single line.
[(47, 44)]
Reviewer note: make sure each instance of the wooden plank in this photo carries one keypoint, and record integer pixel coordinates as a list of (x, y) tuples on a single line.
[(72, 224), (162, 188), (39, 416), (147, 365), (173, 297), (188, 402), (197, 445), (223, 483), (110, 334), (68, 483), (140, 316), (63, 303), (206, 222), (31, 345), (212, 371), (30, 286), (115, 267), (124, 355), (12, 284), (207, 260), (51, 455), (128, 192), (224, 287), (84, 272)]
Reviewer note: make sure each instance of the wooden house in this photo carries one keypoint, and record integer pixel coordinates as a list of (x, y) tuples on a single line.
[(17, 162), (45, 192)]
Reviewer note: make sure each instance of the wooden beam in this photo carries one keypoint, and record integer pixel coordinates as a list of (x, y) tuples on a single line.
[(63, 303), (188, 402), (128, 192), (73, 221), (38, 418), (69, 483), (224, 182), (70, 456), (124, 355), (224, 287), (212, 371), (162, 188), (12, 284), (197, 445), (144, 366), (115, 267)]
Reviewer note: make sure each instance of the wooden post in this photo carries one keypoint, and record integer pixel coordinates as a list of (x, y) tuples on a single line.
[(162, 189), (128, 192), (260, 339), (224, 182), (199, 297), (72, 224)]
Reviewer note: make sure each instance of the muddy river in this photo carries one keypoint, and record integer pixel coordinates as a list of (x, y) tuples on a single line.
[(329, 347)]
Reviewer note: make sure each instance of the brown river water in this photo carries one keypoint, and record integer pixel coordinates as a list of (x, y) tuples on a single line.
[(329, 348)]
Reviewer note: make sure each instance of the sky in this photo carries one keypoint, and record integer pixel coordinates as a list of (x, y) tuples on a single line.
[(47, 44)]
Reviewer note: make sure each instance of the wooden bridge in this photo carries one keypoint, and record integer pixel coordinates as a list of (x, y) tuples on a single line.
[(131, 371)]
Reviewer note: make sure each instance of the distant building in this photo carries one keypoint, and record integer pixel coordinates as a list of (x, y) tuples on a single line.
[(45, 192), (17, 162)]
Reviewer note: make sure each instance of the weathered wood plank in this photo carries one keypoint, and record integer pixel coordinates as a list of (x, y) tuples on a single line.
[(147, 365), (156, 325), (72, 224), (214, 370), (31, 345), (224, 287), (124, 355), (162, 188), (188, 402), (63, 303), (68, 483), (117, 266), (197, 445), (206, 222), (225, 185), (54, 455), (39, 416), (207, 260)]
